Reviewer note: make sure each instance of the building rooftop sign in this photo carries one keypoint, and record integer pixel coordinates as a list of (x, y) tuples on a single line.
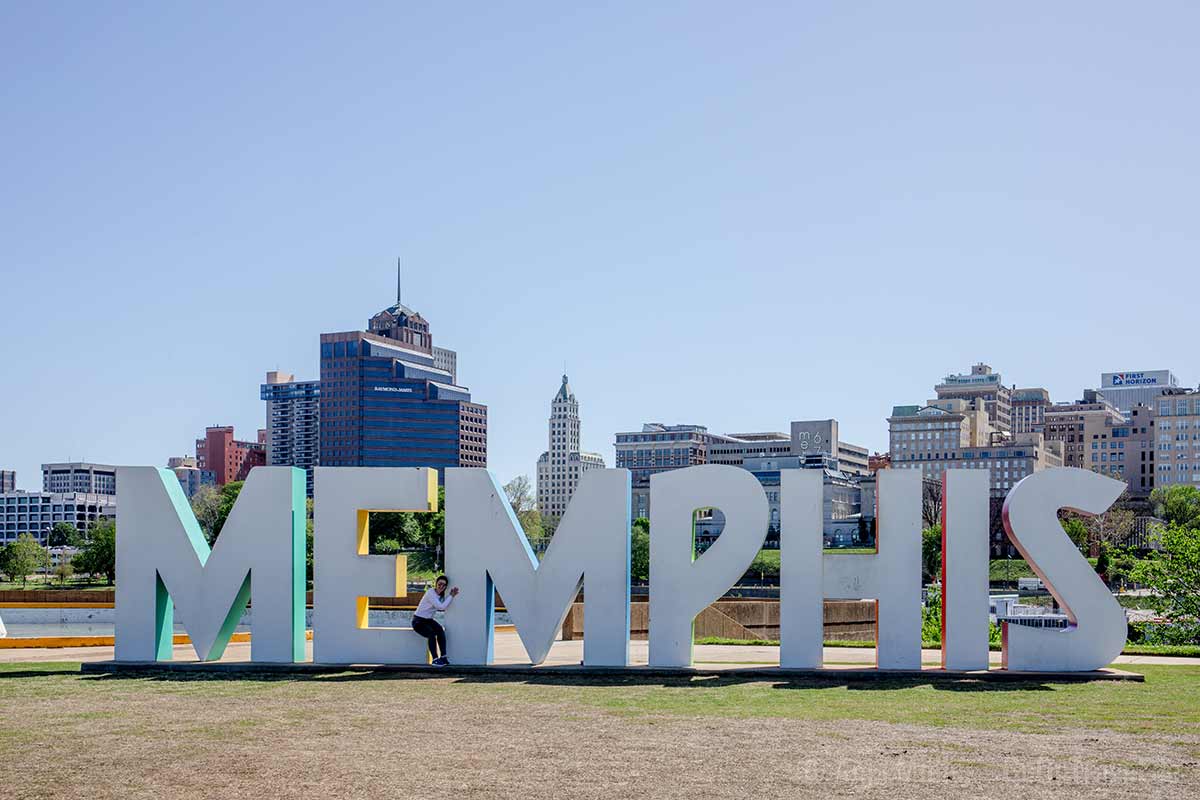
[(1158, 377), (971, 380)]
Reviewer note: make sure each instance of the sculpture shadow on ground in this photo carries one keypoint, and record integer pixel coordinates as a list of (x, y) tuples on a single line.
[(855, 681)]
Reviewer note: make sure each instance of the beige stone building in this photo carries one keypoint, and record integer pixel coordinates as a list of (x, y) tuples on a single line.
[(981, 384), (560, 467), (1029, 409), (955, 434), (1077, 425), (1177, 440), (1139, 464)]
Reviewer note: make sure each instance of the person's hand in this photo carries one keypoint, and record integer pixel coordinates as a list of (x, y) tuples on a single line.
[(454, 592)]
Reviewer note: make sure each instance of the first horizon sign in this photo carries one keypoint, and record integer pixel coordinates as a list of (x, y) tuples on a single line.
[(164, 563)]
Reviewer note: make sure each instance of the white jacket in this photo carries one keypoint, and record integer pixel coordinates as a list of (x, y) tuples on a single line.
[(430, 602)]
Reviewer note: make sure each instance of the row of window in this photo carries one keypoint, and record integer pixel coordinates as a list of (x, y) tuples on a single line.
[(1179, 406)]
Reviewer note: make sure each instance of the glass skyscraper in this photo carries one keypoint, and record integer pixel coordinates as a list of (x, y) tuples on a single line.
[(387, 401)]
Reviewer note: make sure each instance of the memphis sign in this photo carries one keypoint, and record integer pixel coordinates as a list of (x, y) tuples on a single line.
[(164, 563)]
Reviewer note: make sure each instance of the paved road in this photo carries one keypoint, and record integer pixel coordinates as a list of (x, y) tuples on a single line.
[(509, 650)]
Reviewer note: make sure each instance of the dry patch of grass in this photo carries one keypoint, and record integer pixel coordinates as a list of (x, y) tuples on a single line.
[(387, 735)]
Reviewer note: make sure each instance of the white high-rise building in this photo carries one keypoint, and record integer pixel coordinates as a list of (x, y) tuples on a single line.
[(560, 467), (293, 422)]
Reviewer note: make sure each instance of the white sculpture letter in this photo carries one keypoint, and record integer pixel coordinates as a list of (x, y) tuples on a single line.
[(892, 576), (965, 569), (163, 561), (345, 576), (801, 589), (486, 551), (1097, 628), (681, 585)]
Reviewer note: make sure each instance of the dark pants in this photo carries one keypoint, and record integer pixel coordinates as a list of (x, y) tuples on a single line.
[(432, 631)]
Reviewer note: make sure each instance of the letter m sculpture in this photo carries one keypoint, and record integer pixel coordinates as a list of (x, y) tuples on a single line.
[(164, 562)]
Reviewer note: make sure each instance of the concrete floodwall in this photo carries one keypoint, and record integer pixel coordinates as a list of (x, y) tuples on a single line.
[(731, 618), (60, 596)]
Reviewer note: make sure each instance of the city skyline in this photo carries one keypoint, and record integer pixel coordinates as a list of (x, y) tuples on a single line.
[(877, 439), (806, 214)]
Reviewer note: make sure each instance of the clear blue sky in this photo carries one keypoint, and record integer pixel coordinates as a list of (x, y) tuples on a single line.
[(727, 214)]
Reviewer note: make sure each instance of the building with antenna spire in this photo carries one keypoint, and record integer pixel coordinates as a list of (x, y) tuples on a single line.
[(389, 397), (560, 468)]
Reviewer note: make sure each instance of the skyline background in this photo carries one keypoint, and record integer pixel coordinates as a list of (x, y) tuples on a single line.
[(733, 220)]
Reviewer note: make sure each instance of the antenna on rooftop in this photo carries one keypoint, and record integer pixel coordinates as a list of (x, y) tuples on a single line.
[(397, 280)]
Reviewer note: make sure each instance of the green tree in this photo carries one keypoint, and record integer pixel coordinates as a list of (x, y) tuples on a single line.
[(64, 534), (1112, 528), (519, 492), (23, 557), (308, 536), (431, 526), (931, 617), (63, 571), (1177, 505), (766, 564), (387, 547), (639, 556), (931, 554), (1077, 530), (1173, 574), (99, 555), (212, 505), (408, 529), (206, 505), (226, 497)]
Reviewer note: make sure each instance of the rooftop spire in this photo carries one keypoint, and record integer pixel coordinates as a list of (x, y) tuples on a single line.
[(397, 280)]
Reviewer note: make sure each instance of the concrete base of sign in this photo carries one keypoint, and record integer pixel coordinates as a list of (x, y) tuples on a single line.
[(831, 674)]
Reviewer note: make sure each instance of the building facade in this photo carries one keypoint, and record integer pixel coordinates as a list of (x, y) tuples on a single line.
[(384, 401), (811, 444), (842, 498), (1128, 389), (732, 449), (815, 440), (563, 464), (79, 476), (879, 461), (446, 360), (228, 458), (981, 384), (191, 477), (1140, 463), (1078, 425), (1177, 421), (1029, 410), (8, 481), (933, 440), (293, 429), (36, 513), (658, 448)]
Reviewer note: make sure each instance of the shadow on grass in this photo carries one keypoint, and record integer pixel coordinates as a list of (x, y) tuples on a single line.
[(37, 673), (552, 677)]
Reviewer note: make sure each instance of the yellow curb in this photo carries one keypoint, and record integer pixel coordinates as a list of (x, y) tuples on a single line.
[(56, 605), (100, 641), (111, 605)]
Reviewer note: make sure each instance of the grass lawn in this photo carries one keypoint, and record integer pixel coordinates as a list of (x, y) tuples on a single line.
[(1178, 650), (37, 584), (421, 566), (767, 561), (552, 736)]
